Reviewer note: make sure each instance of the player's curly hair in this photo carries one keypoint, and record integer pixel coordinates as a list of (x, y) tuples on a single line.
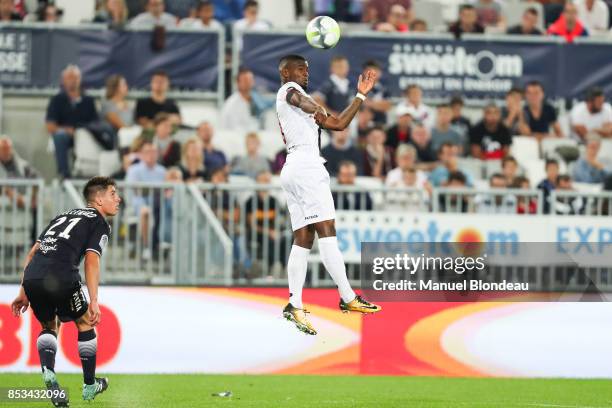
[(95, 185)]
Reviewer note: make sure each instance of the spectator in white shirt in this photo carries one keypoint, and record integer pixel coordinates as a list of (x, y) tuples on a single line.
[(496, 202), (594, 14), (154, 16), (416, 108), (592, 115), (204, 18), (250, 20), (244, 107), (405, 157)]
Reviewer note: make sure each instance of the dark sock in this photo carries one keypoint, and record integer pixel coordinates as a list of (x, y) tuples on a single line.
[(47, 347), (88, 346)]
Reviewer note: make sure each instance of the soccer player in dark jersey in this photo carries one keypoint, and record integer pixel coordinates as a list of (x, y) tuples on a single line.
[(51, 282)]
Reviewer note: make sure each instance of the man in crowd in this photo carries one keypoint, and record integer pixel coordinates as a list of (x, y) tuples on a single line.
[(594, 14), (568, 25), (253, 163), (350, 200), (146, 205), (250, 18), (7, 11), (213, 158), (204, 17), (588, 169), (540, 116), (147, 108), (339, 150), (400, 132), (335, 93), (490, 138), (593, 115), (154, 15), (379, 98), (413, 102), (529, 24), (467, 23), (68, 110), (448, 163), (442, 132), (397, 20), (244, 108), (460, 123), (496, 202)]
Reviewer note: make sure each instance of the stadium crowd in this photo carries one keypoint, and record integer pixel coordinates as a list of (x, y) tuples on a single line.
[(568, 19)]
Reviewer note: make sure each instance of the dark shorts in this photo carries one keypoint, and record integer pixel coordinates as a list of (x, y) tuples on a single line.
[(50, 298)]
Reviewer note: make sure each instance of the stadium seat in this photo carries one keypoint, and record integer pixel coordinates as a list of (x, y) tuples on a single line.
[(605, 153), (534, 170), (278, 13), (513, 11), (549, 145), (194, 114), (87, 152), (127, 135), (525, 149), (109, 163), (491, 167), (368, 183), (430, 12), (76, 12), (474, 167)]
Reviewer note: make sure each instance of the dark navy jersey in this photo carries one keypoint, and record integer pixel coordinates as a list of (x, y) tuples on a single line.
[(64, 242)]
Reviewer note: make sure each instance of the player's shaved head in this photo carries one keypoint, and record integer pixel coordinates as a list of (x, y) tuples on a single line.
[(294, 68), (288, 60), (96, 185)]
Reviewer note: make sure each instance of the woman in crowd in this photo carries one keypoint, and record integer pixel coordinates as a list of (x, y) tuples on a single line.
[(115, 109)]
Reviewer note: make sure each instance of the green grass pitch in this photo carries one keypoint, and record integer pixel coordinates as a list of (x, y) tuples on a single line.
[(185, 391)]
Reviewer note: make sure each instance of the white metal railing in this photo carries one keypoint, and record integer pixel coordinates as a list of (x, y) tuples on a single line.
[(225, 234), (21, 217)]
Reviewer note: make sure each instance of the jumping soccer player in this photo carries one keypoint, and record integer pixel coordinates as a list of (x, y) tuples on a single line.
[(52, 285), (306, 184)]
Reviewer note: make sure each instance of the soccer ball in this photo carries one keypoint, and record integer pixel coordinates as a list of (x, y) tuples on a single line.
[(323, 32)]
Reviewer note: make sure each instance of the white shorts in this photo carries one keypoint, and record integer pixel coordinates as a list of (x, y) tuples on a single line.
[(309, 197)]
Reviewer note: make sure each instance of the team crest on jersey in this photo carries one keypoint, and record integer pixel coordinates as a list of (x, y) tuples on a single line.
[(103, 241)]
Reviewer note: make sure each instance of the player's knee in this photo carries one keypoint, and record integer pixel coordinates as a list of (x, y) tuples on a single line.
[(82, 325), (326, 229), (51, 325)]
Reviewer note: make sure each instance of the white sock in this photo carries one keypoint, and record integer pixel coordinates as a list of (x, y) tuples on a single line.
[(297, 266), (334, 263)]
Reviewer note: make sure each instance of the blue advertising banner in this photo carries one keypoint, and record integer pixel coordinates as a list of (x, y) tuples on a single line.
[(584, 65), (34, 57), (442, 67), (477, 67)]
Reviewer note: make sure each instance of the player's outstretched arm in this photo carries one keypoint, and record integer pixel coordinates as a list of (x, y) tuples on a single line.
[(21, 302), (92, 279), (364, 85)]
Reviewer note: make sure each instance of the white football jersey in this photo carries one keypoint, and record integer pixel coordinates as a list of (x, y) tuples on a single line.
[(299, 128)]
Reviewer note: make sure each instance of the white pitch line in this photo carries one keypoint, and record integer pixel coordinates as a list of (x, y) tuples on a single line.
[(560, 406)]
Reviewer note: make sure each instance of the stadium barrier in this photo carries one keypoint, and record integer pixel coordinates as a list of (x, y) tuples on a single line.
[(21, 216), (240, 233), (207, 328)]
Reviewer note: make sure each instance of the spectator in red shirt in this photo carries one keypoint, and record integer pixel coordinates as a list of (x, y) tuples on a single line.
[(568, 25), (400, 132), (397, 20), (490, 138)]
